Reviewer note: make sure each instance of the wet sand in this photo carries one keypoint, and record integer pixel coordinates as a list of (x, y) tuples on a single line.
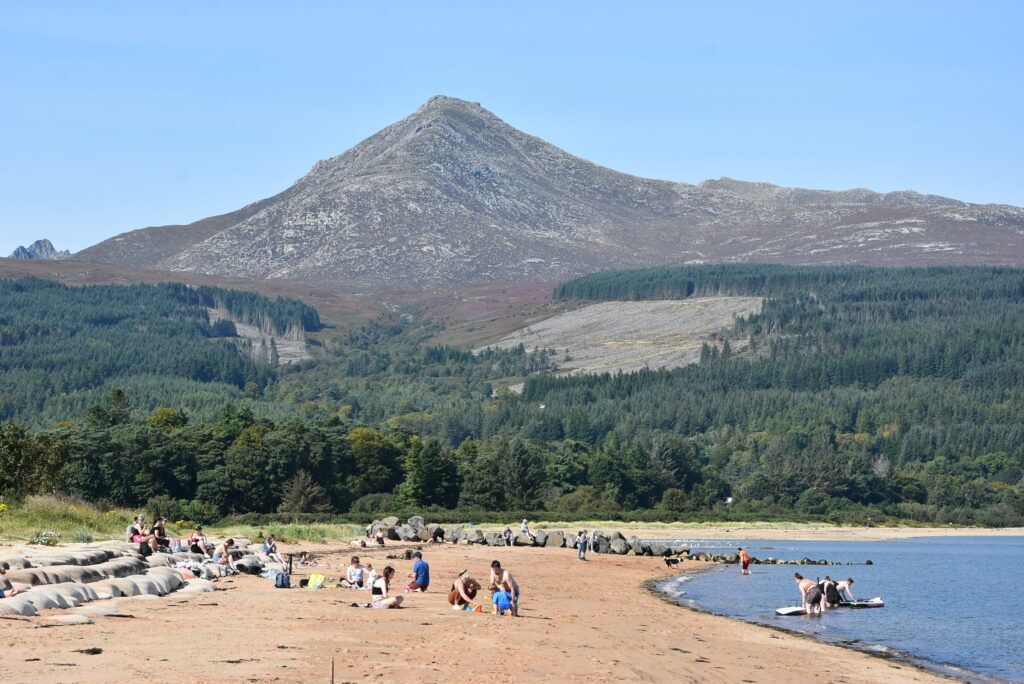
[(592, 621)]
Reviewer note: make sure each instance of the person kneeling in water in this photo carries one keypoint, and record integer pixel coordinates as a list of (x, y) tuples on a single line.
[(810, 595)]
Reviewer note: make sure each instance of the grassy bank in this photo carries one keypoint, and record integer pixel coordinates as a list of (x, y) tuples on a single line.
[(76, 521)]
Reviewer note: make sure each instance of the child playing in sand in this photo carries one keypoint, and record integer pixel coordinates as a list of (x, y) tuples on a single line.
[(502, 601)]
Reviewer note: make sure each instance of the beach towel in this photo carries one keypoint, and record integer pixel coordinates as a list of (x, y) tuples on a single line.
[(316, 581)]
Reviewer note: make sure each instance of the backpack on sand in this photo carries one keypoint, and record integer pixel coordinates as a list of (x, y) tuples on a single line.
[(282, 581)]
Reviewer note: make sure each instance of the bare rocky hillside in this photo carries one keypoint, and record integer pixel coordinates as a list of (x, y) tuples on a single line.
[(452, 195), (612, 337)]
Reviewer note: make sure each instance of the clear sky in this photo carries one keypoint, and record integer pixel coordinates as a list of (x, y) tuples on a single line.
[(116, 116)]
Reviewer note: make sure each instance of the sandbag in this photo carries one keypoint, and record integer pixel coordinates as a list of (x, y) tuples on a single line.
[(31, 577), (197, 586), (44, 598), (125, 585), (16, 562), (70, 619), (99, 609), (149, 585), (17, 605), (158, 559)]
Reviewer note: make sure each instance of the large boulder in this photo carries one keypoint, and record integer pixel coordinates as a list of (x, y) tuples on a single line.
[(635, 544), (522, 540), (436, 532), (555, 540), (615, 534), (454, 533), (540, 537), (416, 522), (392, 533), (618, 546), (407, 533), (475, 537), (390, 521), (660, 550), (423, 534), (493, 539)]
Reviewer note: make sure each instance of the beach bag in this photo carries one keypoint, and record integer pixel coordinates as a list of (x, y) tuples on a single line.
[(282, 581), (316, 581), (175, 546)]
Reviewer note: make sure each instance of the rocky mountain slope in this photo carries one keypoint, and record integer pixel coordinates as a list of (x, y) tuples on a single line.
[(40, 249), (452, 194)]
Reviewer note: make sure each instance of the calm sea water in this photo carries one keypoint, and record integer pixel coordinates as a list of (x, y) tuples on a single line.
[(952, 601)]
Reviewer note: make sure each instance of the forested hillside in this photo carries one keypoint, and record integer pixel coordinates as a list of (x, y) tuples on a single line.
[(860, 394), (62, 348)]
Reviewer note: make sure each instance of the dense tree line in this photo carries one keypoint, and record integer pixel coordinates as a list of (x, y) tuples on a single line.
[(58, 342), (856, 394)]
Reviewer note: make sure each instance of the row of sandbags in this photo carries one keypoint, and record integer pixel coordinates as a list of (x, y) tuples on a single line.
[(158, 581)]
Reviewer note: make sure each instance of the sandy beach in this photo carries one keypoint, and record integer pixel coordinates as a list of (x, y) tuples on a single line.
[(592, 621)]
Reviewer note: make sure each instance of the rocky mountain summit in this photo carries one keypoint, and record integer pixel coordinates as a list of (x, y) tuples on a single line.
[(452, 194), (40, 249)]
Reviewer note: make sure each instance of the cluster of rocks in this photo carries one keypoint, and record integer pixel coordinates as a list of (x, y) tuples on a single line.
[(69, 577), (416, 529)]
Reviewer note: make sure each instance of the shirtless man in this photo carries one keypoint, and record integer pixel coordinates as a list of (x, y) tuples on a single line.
[(845, 589), (502, 579), (810, 595), (744, 561)]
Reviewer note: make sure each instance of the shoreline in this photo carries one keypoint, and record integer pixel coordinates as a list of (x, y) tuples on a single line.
[(946, 670), (594, 621)]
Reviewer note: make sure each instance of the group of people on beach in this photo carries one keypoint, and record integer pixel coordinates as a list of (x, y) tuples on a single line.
[(503, 589), (152, 537), (828, 593)]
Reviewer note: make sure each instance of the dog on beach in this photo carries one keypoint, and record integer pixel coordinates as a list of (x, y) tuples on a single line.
[(671, 562)]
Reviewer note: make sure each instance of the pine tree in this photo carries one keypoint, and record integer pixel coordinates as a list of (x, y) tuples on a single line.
[(303, 495)]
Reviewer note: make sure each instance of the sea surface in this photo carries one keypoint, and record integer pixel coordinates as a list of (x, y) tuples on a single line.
[(952, 602)]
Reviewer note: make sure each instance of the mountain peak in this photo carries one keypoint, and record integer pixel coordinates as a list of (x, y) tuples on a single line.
[(452, 194), (40, 249)]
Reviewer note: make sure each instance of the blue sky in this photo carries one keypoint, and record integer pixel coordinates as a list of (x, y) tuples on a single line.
[(116, 116)]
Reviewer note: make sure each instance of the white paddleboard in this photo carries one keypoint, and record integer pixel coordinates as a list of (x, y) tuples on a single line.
[(790, 610)]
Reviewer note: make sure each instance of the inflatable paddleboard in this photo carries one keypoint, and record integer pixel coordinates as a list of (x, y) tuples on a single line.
[(876, 602)]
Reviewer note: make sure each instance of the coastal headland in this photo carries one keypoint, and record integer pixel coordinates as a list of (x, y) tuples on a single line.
[(581, 621)]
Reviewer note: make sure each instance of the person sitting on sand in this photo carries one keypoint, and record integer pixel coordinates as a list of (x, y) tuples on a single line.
[(420, 574), (744, 561), (6, 588), (830, 591), (354, 576), (845, 589), (222, 555), (158, 540), (133, 533), (463, 592), (503, 580), (379, 591), (370, 574), (270, 549), (810, 595), (581, 545), (380, 536), (197, 542)]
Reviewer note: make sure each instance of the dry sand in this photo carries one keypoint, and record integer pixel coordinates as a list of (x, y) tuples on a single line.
[(590, 621)]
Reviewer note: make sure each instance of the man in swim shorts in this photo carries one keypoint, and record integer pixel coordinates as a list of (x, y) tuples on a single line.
[(810, 595), (744, 561), (502, 580)]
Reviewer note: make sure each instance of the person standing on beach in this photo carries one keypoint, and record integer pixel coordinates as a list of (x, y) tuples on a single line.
[(506, 534), (420, 574), (581, 545), (810, 595), (744, 561), (503, 580)]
